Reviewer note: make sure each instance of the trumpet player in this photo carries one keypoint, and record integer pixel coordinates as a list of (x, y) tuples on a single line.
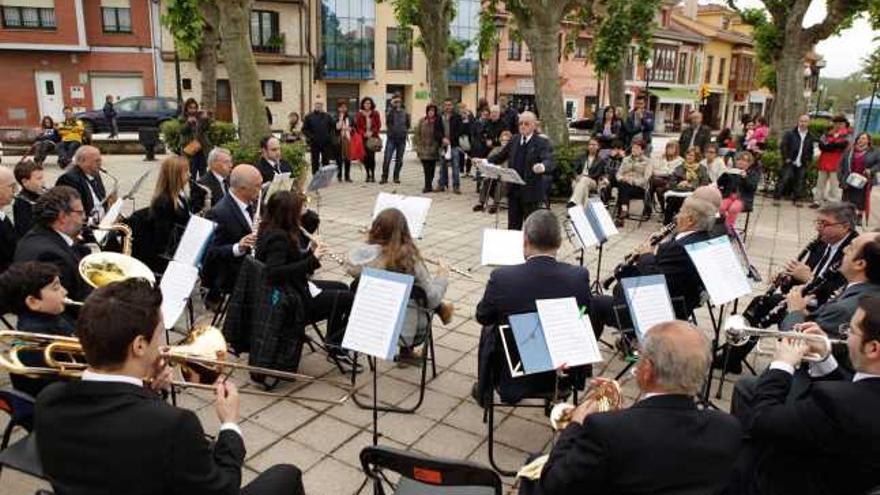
[(111, 432), (663, 444), (825, 439)]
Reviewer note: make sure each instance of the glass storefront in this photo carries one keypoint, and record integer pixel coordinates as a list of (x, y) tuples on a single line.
[(465, 29), (348, 38)]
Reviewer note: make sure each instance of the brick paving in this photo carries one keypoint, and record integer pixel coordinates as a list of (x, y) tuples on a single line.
[(324, 440)]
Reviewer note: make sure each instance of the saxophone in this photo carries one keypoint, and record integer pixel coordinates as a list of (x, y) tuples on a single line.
[(208, 197)]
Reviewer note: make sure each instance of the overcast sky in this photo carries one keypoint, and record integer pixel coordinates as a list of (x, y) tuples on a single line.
[(843, 53)]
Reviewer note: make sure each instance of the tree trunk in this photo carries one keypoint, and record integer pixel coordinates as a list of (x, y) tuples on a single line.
[(542, 41), (207, 57), (617, 86), (789, 101), (434, 27), (235, 44)]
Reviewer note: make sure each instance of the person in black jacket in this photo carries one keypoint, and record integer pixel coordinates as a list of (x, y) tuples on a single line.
[(85, 177), (216, 180), (531, 156), (235, 235), (110, 117), (640, 122), (826, 440), (169, 211), (797, 154), (662, 444), (46, 141), (738, 185), (271, 162), (514, 289), (33, 292), (318, 128), (30, 176), (8, 235), (509, 115), (697, 134), (127, 439), (291, 260), (448, 129), (59, 216)]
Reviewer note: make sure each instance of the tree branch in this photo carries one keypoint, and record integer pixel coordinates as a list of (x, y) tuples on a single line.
[(839, 11)]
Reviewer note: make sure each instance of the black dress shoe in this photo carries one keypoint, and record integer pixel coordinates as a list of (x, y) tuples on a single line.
[(478, 207), (397, 181)]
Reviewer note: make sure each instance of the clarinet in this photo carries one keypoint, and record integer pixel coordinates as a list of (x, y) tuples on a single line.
[(631, 258), (819, 285)]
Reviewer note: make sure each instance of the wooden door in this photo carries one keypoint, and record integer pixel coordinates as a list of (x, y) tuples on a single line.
[(223, 112)]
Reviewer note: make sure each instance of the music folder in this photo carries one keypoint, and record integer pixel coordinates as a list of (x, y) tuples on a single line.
[(502, 247), (600, 220), (648, 301), (414, 208), (323, 178), (194, 241), (377, 313), (720, 270), (582, 228)]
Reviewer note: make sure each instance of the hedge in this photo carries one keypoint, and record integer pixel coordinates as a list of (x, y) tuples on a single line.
[(565, 157)]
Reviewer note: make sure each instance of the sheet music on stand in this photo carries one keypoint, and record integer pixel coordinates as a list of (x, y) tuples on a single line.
[(194, 241), (488, 170), (414, 208), (377, 313), (720, 269), (647, 298), (583, 229), (511, 176), (502, 247), (176, 285), (109, 219), (323, 178), (569, 334), (600, 220), (280, 182)]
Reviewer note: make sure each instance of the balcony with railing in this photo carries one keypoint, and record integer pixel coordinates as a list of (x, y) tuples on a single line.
[(273, 44), (743, 73)]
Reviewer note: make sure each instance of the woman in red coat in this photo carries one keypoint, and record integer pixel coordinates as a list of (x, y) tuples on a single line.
[(368, 126), (832, 146)]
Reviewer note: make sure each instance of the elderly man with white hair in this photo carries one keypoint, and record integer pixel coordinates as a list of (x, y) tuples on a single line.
[(216, 180), (85, 177), (531, 156), (8, 237)]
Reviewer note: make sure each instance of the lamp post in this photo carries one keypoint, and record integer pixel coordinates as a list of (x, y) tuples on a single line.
[(808, 87), (499, 25), (649, 64), (819, 97)]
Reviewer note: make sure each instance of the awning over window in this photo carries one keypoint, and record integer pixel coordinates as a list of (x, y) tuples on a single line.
[(681, 96)]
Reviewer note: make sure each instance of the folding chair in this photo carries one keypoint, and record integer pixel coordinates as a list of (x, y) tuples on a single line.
[(22, 456), (20, 408), (424, 475)]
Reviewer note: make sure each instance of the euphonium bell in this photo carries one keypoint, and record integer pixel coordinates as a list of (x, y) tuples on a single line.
[(606, 394), (100, 269)]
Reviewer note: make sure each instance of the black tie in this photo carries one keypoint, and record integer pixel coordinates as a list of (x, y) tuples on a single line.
[(822, 261), (277, 167), (224, 186), (250, 210)]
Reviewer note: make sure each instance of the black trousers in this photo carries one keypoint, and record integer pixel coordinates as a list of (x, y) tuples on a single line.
[(332, 304), (320, 156), (518, 210), (790, 179), (369, 163), (428, 167), (626, 192), (280, 479), (394, 147)]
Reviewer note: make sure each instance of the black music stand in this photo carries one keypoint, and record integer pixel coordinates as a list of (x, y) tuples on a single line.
[(597, 279), (717, 323)]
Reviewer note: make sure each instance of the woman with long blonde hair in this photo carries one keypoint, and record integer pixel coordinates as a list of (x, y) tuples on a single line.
[(169, 212)]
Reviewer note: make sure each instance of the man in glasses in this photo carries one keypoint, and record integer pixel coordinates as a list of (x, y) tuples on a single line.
[(826, 439)]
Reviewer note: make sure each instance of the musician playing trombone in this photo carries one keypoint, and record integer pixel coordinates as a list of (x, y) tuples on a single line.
[(663, 444), (824, 438), (111, 432)]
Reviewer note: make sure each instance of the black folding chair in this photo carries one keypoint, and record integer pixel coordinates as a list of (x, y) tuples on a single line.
[(22, 456), (424, 475), (20, 408)]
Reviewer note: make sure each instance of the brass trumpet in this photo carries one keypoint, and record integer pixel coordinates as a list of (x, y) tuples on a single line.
[(739, 333), (201, 357)]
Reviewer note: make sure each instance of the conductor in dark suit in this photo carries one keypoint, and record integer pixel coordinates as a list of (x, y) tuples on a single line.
[(662, 444), (693, 224), (235, 235), (85, 177), (271, 162), (59, 216), (827, 439), (216, 180), (111, 433), (8, 236), (514, 289), (531, 156)]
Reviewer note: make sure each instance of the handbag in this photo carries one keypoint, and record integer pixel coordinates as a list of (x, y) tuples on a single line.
[(374, 144), (464, 142), (356, 148), (192, 147), (856, 180)]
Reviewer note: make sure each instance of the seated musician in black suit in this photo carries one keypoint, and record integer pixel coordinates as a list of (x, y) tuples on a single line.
[(235, 235), (271, 162), (85, 177), (216, 180), (514, 289), (169, 212), (59, 216), (112, 433), (8, 236), (827, 439), (33, 292), (662, 444), (692, 224)]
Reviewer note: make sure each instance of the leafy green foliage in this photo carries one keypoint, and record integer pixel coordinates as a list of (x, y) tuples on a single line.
[(623, 22), (565, 157), (768, 42), (295, 154), (184, 20), (871, 66), (220, 132)]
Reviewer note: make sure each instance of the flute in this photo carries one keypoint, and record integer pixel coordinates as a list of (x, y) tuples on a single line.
[(335, 257), (457, 271)]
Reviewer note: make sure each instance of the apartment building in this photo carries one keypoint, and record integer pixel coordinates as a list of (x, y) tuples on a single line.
[(74, 52)]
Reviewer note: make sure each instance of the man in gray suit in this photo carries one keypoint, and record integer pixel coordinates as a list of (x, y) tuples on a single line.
[(861, 268)]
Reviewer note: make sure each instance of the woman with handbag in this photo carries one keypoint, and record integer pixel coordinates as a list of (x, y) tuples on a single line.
[(857, 167), (342, 140), (427, 147), (368, 126), (194, 141)]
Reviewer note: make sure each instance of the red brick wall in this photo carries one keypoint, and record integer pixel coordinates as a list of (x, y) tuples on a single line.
[(18, 88), (140, 26), (64, 34)]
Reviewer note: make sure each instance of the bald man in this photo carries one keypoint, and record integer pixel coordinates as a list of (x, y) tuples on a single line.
[(234, 237), (531, 156), (656, 445), (8, 237), (85, 177)]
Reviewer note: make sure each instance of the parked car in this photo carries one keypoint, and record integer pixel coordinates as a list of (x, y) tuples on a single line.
[(132, 114)]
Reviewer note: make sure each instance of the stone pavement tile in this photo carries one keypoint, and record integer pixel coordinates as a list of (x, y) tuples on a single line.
[(458, 341), (405, 429), (251, 403), (470, 327), (523, 434), (467, 365), (468, 416), (320, 390), (452, 383), (324, 434), (445, 356), (208, 417), (248, 475), (332, 477), (507, 458), (350, 451), (446, 441), (257, 438), (352, 414), (436, 405), (17, 483), (284, 416), (286, 452), (410, 373)]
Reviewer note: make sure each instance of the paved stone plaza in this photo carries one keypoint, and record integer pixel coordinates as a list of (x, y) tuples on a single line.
[(324, 441)]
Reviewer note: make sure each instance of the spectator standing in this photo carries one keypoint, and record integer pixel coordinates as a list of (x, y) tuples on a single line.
[(509, 115), (294, 129), (697, 134), (832, 146), (447, 130), (863, 162), (427, 146), (318, 129), (110, 117), (71, 131), (46, 141), (342, 129), (368, 125), (640, 122), (797, 155), (194, 140), (397, 122), (466, 138)]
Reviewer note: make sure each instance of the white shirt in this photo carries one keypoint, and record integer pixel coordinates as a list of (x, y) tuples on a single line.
[(797, 161), (222, 182), (67, 238), (236, 249), (682, 235), (93, 376), (654, 394), (2, 215), (832, 251), (525, 139)]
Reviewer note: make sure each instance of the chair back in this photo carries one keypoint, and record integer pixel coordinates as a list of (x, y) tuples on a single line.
[(23, 456), (424, 475)]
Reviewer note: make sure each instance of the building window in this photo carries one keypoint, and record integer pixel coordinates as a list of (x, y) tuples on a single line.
[(707, 77), (514, 50), (465, 29), (721, 63), (28, 17), (186, 84), (347, 39), (664, 63), (725, 23), (682, 68), (399, 49), (581, 48), (116, 16), (265, 37), (528, 55), (271, 90)]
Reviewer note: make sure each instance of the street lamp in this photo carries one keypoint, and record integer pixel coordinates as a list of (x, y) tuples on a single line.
[(819, 97), (808, 86)]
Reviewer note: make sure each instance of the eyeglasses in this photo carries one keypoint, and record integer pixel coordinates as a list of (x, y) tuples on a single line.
[(80, 212), (821, 224)]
